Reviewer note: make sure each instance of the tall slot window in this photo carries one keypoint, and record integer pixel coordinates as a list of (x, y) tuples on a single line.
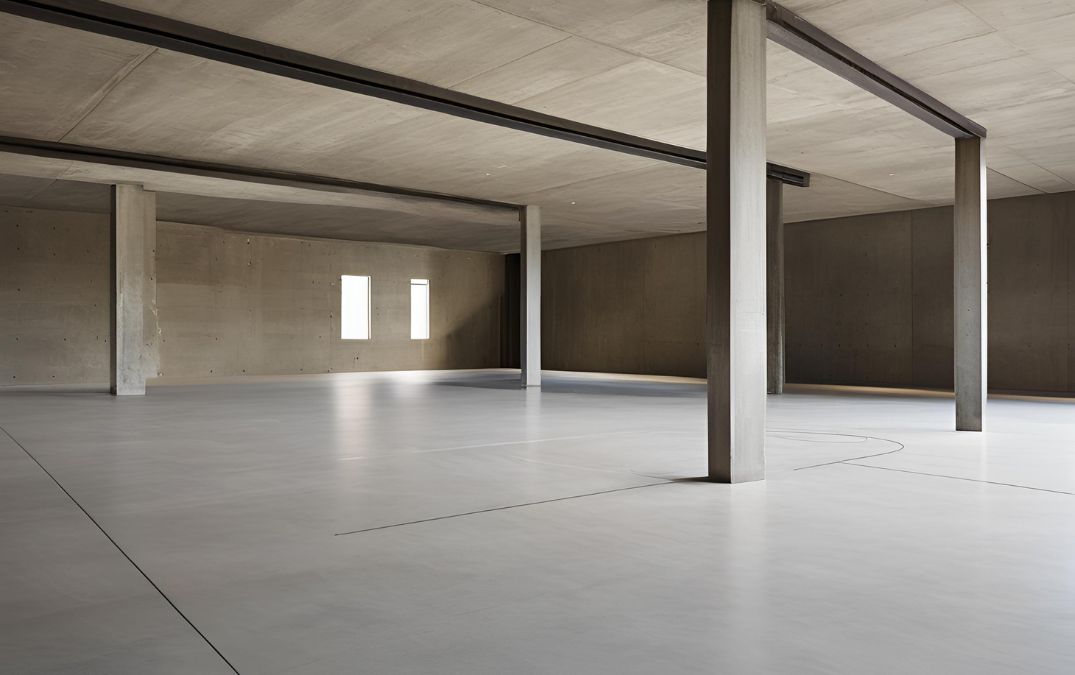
[(419, 309), (354, 307)]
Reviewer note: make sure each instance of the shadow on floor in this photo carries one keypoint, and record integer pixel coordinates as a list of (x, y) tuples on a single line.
[(624, 387)]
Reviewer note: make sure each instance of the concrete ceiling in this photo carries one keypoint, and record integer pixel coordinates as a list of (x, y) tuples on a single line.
[(635, 66), (281, 211)]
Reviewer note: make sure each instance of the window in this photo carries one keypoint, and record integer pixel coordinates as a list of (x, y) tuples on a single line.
[(354, 308), (419, 309)]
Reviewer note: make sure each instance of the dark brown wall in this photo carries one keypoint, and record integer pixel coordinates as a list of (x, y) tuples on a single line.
[(869, 300), (628, 307), (895, 271)]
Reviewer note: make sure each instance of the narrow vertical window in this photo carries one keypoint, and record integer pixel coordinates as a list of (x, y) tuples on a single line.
[(419, 309), (354, 308)]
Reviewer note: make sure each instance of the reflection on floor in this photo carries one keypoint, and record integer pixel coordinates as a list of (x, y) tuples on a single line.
[(453, 523)]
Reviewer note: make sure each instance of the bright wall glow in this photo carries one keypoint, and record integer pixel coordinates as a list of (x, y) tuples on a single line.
[(419, 309), (354, 308)]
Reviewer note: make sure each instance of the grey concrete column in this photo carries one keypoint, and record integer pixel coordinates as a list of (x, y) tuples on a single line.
[(151, 325), (735, 240), (774, 283), (530, 296), (133, 220), (971, 289)]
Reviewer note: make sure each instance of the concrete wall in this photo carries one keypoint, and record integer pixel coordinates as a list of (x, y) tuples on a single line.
[(870, 297), (628, 307), (53, 297), (233, 304), (869, 300)]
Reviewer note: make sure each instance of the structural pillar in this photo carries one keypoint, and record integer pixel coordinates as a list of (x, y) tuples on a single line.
[(735, 240), (530, 296), (774, 283), (133, 226), (971, 288)]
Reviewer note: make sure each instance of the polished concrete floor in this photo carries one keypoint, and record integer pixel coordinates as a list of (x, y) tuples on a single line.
[(452, 523)]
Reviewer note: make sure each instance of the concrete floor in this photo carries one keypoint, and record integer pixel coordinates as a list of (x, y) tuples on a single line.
[(279, 516)]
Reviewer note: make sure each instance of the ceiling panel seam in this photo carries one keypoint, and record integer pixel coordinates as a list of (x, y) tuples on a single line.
[(527, 55), (99, 96), (590, 39)]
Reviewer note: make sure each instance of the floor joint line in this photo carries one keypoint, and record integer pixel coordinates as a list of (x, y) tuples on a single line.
[(122, 552), (501, 508), (963, 478)]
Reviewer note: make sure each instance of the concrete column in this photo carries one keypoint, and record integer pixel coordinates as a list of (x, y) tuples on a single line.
[(971, 324), (133, 220), (151, 325), (530, 297), (735, 240), (774, 283)]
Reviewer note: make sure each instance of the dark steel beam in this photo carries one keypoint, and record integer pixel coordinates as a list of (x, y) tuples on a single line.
[(84, 153), (792, 31), (108, 19), (787, 175)]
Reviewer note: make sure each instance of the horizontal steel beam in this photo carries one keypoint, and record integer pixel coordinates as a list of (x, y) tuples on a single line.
[(787, 175), (188, 167), (108, 19), (792, 31)]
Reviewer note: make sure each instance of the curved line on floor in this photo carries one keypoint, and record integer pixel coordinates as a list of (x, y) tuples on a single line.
[(899, 446), (851, 462)]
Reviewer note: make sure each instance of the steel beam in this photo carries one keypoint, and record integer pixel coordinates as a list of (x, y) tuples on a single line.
[(800, 36), (104, 18), (120, 22), (787, 175), (190, 167)]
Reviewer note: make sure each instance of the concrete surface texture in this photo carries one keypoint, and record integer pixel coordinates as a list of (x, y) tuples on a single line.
[(258, 207), (735, 241), (530, 296), (868, 300), (132, 242), (774, 286), (231, 303), (485, 529), (635, 66), (629, 307), (970, 241)]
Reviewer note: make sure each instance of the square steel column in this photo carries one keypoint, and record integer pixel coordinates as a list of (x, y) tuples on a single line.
[(735, 240), (971, 287), (133, 222), (530, 296), (774, 284)]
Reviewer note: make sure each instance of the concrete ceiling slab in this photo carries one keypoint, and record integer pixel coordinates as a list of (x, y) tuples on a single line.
[(46, 193), (306, 219), (195, 185), (49, 82), (631, 65)]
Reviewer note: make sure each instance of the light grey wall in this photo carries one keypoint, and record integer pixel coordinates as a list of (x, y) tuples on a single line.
[(232, 304), (869, 300)]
